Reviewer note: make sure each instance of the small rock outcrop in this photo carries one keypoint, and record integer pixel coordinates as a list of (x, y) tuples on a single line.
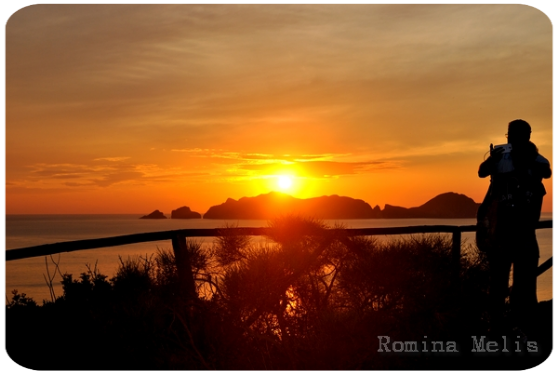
[(184, 213), (154, 215)]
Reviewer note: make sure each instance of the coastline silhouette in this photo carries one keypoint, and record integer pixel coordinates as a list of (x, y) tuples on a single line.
[(270, 205)]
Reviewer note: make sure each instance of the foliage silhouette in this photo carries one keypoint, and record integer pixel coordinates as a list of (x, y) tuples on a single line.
[(308, 298)]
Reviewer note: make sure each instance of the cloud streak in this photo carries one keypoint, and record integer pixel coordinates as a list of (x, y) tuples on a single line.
[(309, 166)]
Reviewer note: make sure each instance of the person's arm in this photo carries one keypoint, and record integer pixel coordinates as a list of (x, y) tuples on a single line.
[(485, 169), (541, 167), (488, 166)]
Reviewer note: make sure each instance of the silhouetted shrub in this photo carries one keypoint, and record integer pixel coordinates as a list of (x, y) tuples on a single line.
[(310, 297)]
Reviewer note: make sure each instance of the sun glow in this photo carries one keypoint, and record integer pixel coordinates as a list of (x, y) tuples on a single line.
[(284, 182)]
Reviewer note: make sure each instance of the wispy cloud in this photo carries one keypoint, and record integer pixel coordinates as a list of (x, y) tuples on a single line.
[(319, 169), (112, 159), (262, 165), (103, 173), (113, 178), (94, 174)]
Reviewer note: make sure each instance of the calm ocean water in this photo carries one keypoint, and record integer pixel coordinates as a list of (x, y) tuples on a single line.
[(28, 275)]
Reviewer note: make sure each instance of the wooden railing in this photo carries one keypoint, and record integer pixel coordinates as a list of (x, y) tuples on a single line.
[(178, 238)]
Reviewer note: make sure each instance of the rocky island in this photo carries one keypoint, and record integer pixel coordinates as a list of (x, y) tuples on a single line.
[(154, 215), (274, 204), (185, 213), (446, 205)]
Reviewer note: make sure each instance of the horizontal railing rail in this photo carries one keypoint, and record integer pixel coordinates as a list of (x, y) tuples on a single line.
[(114, 241), (76, 245)]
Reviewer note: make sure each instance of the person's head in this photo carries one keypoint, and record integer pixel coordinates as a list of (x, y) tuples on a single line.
[(519, 132)]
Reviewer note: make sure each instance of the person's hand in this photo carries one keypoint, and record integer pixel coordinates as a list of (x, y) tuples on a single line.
[(497, 153)]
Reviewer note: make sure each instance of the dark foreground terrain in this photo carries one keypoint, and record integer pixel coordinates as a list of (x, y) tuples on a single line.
[(303, 300)]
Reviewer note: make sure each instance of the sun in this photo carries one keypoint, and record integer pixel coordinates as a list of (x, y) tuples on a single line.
[(284, 182)]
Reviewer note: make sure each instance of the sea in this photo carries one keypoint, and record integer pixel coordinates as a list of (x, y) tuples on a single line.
[(30, 276)]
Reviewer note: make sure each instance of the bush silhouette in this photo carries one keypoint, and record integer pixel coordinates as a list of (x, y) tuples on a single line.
[(308, 298)]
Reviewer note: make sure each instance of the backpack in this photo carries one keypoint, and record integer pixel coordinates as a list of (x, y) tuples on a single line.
[(487, 216)]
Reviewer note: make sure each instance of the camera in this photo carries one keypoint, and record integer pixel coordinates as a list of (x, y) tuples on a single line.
[(507, 147)]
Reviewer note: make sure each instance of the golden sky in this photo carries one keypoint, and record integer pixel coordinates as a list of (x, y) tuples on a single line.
[(132, 108)]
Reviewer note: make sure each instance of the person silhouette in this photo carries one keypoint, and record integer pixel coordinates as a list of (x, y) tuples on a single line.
[(517, 191)]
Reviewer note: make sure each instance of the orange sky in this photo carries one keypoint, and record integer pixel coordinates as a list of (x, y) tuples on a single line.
[(132, 108)]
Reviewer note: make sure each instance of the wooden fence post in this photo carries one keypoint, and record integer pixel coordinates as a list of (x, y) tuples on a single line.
[(456, 256), (184, 267)]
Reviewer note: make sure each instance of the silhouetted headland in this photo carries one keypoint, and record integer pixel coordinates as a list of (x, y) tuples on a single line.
[(185, 213), (446, 205), (154, 215), (268, 206)]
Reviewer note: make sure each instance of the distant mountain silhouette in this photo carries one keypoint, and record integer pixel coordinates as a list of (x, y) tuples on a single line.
[(154, 215), (446, 205), (275, 203), (267, 206), (185, 213)]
